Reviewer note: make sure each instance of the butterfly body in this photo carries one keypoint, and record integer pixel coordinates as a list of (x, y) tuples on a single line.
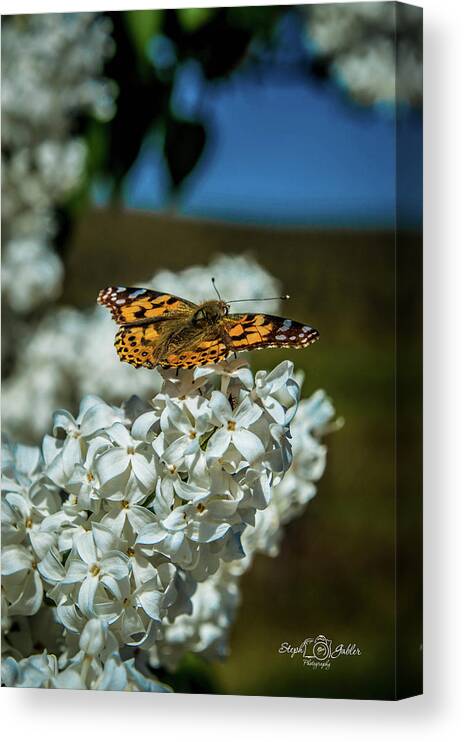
[(161, 329)]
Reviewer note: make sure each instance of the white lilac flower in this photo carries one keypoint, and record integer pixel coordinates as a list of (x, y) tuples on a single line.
[(99, 570), (374, 48), (127, 513), (51, 73), (21, 582), (183, 427), (233, 429), (68, 446), (82, 672), (31, 274), (127, 459), (278, 392), (161, 509), (33, 672), (28, 498)]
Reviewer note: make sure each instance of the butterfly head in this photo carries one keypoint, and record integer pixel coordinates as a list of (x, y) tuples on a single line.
[(210, 312)]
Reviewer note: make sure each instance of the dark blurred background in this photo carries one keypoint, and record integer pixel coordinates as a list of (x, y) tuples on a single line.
[(236, 131)]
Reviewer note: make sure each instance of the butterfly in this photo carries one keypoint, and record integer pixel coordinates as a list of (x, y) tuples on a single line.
[(159, 329)]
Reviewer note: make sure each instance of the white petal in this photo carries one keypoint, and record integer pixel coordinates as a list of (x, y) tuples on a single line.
[(150, 600), (98, 417), (26, 458), (113, 678), (218, 443), (119, 433), (248, 444), (205, 531), (14, 559), (177, 416), (176, 451), (30, 600), (220, 407), (142, 429), (76, 571), (115, 564), (86, 596), (144, 471), (247, 413), (151, 534), (111, 583), (51, 447), (112, 464), (71, 455), (176, 519), (85, 545), (139, 517), (104, 538), (51, 568), (41, 542), (63, 421), (189, 491), (69, 617)]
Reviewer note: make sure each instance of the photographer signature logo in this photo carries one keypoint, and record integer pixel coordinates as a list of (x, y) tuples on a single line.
[(318, 652)]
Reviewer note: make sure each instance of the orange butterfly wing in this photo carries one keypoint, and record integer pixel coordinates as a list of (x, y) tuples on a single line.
[(140, 306), (253, 331), (204, 353), (137, 345), (141, 312)]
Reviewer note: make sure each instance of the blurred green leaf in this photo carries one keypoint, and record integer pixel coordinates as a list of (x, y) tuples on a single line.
[(183, 146), (142, 25), (193, 18), (97, 146), (258, 19)]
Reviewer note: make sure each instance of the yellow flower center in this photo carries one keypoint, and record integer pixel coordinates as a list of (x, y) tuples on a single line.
[(28, 523), (231, 425), (200, 507), (94, 570), (192, 435)]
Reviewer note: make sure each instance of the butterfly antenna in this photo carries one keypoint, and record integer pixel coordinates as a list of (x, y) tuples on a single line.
[(215, 288), (284, 297)]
